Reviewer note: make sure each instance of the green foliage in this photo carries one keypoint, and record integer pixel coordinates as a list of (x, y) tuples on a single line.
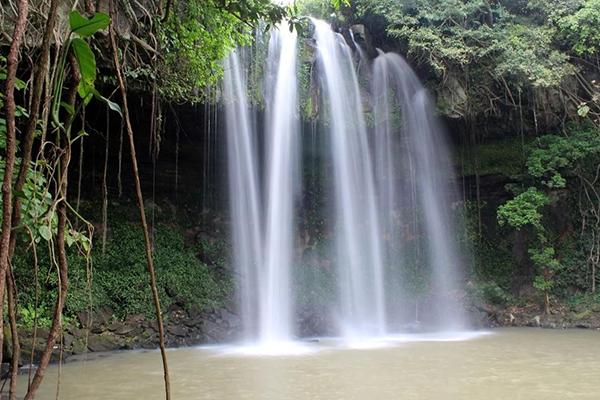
[(315, 8), (451, 34), (30, 316), (503, 157), (555, 157), (253, 11), (339, 3), (20, 111), (494, 269), (323, 9), (552, 160), (84, 27), (578, 22), (525, 55), (87, 66), (38, 215), (493, 50), (36, 200), (183, 70), (494, 262), (81, 28), (198, 35), (120, 279), (574, 274), (548, 265), (213, 251), (542, 283), (524, 209), (489, 293), (544, 257), (582, 28), (584, 301), (438, 32)]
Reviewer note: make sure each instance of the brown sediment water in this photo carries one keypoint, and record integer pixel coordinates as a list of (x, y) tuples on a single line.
[(505, 364)]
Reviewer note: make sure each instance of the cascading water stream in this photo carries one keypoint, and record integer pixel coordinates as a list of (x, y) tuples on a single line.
[(263, 225), (422, 185), (392, 193), (362, 56), (359, 262), (245, 202), (282, 171)]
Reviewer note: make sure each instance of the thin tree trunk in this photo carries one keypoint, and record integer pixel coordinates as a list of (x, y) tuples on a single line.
[(55, 329), (140, 199), (12, 63), (119, 184), (104, 184), (16, 348), (35, 305), (36, 101), (80, 171), (593, 278), (27, 144), (177, 162), (63, 265), (473, 138)]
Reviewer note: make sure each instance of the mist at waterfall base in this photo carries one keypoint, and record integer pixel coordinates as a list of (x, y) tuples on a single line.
[(385, 257)]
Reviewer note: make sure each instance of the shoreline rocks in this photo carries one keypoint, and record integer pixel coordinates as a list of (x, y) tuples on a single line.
[(193, 327), (102, 332), (531, 315)]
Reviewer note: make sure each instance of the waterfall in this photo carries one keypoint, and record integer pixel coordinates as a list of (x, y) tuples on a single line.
[(282, 171), (263, 226), (362, 56), (245, 201), (416, 181), (358, 258), (395, 255)]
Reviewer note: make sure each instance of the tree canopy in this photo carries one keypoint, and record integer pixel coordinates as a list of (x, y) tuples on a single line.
[(498, 49)]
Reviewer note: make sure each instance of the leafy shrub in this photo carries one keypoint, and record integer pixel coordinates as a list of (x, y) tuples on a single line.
[(119, 278), (121, 273), (30, 316), (489, 292)]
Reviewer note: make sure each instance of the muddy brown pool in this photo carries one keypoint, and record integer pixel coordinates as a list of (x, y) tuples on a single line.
[(500, 364)]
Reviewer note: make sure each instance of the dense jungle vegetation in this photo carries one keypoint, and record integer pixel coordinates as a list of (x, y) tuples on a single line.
[(517, 83)]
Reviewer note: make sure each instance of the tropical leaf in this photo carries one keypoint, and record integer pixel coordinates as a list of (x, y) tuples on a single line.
[(85, 27), (87, 66), (45, 232), (111, 104)]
